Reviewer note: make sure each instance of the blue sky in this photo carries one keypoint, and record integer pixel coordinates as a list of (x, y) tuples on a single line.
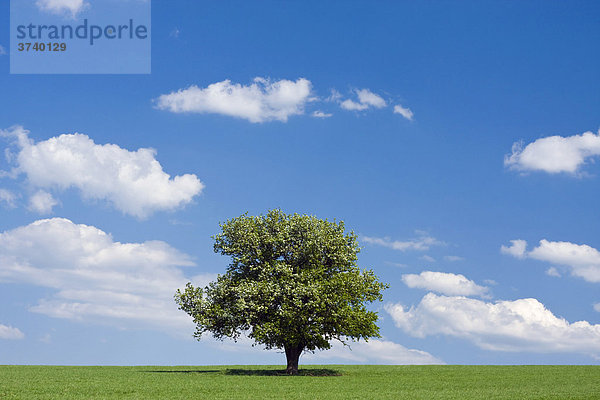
[(459, 140)]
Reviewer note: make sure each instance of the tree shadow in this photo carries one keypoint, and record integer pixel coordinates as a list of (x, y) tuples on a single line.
[(281, 372), (183, 371)]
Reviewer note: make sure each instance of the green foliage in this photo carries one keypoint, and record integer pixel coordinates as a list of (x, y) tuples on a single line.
[(293, 282), (262, 382)]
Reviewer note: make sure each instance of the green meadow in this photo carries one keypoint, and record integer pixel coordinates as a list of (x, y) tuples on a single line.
[(314, 382)]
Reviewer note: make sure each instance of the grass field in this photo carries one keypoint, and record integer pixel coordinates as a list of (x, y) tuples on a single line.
[(316, 382)]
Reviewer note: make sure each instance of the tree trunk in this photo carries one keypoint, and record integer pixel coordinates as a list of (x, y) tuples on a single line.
[(292, 353)]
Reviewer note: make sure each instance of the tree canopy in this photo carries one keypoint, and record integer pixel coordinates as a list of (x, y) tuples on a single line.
[(293, 284)]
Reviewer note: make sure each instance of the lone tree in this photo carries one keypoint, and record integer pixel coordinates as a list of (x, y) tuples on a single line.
[(292, 284)]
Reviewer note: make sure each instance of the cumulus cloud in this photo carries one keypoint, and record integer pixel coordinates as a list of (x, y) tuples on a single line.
[(366, 99), (374, 351), (516, 249), (519, 325), (422, 243), (8, 198), (42, 202), (334, 96), (95, 278), (352, 105), (266, 100), (554, 154), (365, 96), (132, 181), (62, 7), (10, 333), (405, 112), (582, 260), (445, 283), (261, 101), (321, 114), (552, 271)]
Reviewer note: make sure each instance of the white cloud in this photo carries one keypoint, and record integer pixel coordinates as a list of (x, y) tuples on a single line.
[(597, 307), (133, 181), (97, 279), (2, 51), (260, 101), (445, 283), (352, 105), (519, 325), (405, 112), (67, 7), (334, 96), (552, 271), (42, 202), (422, 243), (427, 258), (554, 154), (321, 114), (453, 258), (366, 99), (10, 333), (365, 96), (395, 264), (8, 197), (582, 260), (516, 249), (374, 351)]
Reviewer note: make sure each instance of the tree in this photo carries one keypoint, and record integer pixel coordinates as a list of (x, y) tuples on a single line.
[(292, 284)]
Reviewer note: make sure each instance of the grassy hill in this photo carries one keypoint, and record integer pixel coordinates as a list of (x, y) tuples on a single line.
[(315, 382)]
